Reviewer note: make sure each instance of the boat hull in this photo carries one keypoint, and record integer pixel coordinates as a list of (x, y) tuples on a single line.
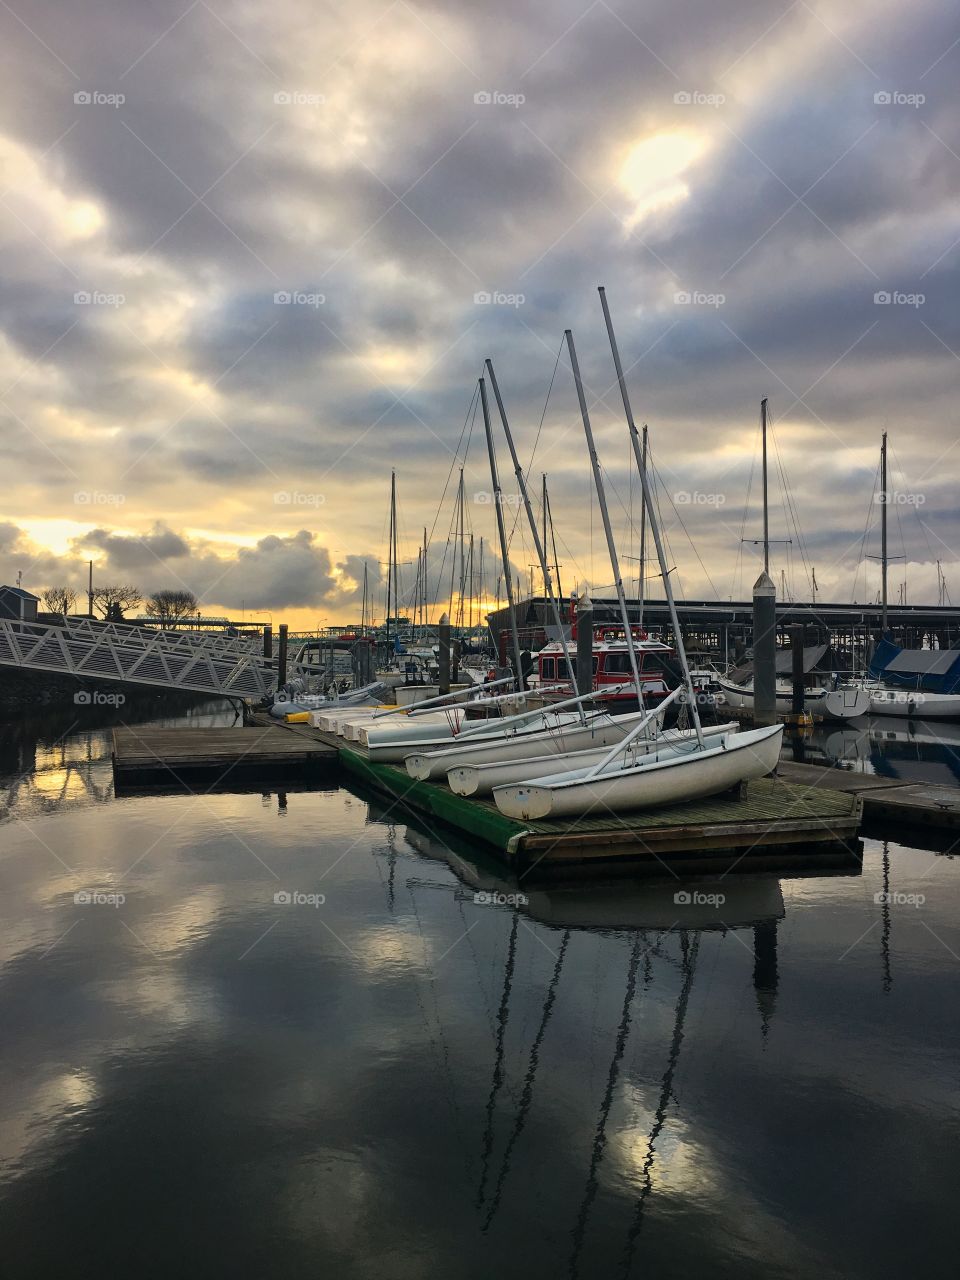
[(676, 776), (741, 697), (480, 779), (602, 731), (845, 703), (394, 748), (912, 704)]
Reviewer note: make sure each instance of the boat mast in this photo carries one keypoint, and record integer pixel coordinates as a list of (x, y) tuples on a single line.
[(540, 547), (608, 531), (654, 523), (641, 589), (883, 535), (391, 545), (363, 606), (502, 534), (766, 512), (462, 571), (553, 541), (471, 585)]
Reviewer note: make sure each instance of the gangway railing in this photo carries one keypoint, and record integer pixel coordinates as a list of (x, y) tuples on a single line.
[(203, 662)]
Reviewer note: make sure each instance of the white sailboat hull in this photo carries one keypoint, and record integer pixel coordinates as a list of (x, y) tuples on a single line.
[(392, 748), (602, 730), (908, 702), (741, 696), (479, 779), (432, 724), (673, 776), (846, 703)]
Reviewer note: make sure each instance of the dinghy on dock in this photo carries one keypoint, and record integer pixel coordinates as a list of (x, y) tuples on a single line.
[(669, 775)]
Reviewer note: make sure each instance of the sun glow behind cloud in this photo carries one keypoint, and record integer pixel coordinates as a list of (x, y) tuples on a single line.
[(651, 173)]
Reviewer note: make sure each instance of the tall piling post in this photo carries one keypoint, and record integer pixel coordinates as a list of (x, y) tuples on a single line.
[(443, 632), (268, 641), (764, 651), (584, 645), (282, 656), (796, 650)]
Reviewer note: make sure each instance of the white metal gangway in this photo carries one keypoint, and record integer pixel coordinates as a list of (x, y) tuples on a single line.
[(202, 661)]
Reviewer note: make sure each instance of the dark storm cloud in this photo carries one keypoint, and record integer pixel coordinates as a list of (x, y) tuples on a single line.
[(132, 553)]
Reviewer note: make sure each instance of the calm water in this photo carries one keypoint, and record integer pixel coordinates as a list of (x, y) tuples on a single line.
[(406, 1081)]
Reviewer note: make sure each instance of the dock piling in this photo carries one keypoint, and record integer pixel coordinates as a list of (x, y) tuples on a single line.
[(764, 651), (282, 656), (796, 650), (443, 632), (584, 645)]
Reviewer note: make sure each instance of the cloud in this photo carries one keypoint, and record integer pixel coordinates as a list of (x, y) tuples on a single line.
[(380, 198), (125, 553)]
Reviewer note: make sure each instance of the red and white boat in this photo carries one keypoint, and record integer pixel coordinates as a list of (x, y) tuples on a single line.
[(657, 663)]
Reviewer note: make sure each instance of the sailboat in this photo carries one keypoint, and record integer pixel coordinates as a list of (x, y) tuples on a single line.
[(474, 776), (665, 775), (846, 702), (899, 669), (553, 736), (670, 771), (531, 732)]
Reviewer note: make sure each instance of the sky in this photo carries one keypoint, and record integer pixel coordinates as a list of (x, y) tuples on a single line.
[(254, 258)]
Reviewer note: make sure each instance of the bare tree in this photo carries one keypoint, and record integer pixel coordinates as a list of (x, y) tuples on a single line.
[(172, 606), (113, 600), (59, 599)]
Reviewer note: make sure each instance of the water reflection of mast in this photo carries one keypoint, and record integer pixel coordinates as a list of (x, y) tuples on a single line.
[(600, 1138), (885, 912), (666, 1088), (527, 1096), (502, 1015)]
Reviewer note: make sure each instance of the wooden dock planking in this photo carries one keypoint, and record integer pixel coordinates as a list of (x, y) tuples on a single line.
[(922, 804), (141, 753)]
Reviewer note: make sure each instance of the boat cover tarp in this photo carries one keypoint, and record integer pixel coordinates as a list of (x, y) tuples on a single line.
[(931, 670), (812, 656)]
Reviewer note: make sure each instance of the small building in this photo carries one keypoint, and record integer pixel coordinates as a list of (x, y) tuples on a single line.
[(18, 604)]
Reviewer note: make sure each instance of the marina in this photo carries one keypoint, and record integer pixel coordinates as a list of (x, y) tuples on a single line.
[(479, 676)]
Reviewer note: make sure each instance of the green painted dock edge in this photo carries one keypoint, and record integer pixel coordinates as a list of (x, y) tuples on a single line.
[(771, 807), (476, 819)]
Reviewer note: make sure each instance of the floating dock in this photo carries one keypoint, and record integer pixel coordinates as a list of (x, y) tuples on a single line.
[(807, 813), (147, 756), (769, 824), (884, 799)]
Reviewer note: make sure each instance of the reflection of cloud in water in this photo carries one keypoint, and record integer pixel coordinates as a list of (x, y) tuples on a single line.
[(185, 923), (167, 998), (378, 949), (681, 1164), (328, 1196), (26, 1118)]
